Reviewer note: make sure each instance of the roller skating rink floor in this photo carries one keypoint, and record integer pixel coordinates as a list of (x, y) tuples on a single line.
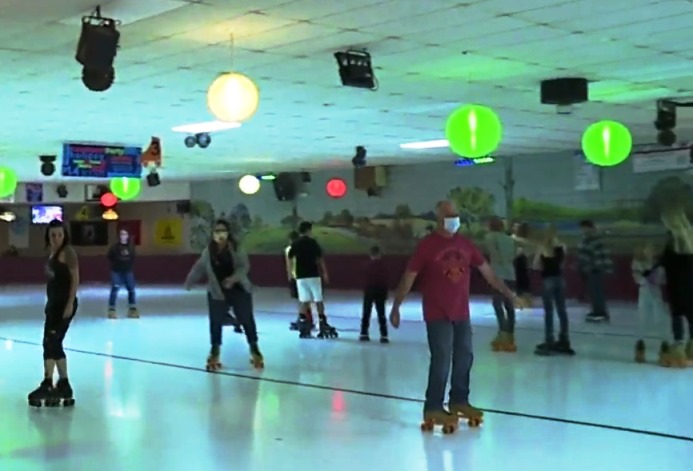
[(145, 402)]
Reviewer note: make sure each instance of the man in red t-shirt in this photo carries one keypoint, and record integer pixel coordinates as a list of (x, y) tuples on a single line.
[(442, 265)]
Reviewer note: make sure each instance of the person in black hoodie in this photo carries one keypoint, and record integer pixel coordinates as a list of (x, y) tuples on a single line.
[(122, 257)]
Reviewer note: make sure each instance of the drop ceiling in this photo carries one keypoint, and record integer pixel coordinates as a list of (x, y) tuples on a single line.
[(430, 56)]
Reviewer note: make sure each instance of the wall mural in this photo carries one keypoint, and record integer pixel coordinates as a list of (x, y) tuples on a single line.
[(397, 231)]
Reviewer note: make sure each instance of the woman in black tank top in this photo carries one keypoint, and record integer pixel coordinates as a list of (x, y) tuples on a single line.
[(61, 305)]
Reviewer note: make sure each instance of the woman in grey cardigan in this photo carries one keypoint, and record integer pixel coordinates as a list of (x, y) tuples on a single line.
[(226, 267)]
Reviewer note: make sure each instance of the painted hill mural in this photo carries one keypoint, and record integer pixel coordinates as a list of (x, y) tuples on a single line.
[(625, 226)]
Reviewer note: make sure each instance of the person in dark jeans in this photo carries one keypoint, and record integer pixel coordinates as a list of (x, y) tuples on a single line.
[(61, 307), (375, 293), (549, 260), (442, 264), (121, 256), (226, 267), (594, 264)]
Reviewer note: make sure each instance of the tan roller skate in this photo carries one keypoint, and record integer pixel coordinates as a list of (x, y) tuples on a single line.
[(474, 416), (213, 364), (133, 313), (112, 314), (678, 356), (256, 358), (213, 360), (640, 352), (449, 422), (664, 355), (496, 342), (689, 351), (507, 343)]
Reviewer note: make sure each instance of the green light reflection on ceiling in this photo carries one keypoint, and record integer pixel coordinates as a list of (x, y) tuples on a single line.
[(624, 92), (471, 67)]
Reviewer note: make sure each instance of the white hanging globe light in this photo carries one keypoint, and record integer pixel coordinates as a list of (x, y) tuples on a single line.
[(249, 184), (233, 98)]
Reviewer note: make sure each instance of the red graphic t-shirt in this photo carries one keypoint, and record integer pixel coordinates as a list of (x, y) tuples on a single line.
[(443, 265)]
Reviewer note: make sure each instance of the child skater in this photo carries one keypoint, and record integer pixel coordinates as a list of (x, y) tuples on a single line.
[(651, 309), (226, 267), (375, 292)]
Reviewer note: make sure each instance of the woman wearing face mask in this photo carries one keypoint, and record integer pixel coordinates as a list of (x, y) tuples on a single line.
[(122, 257), (61, 306), (226, 267)]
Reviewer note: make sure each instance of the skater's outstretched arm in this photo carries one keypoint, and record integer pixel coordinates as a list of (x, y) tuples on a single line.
[(198, 270)]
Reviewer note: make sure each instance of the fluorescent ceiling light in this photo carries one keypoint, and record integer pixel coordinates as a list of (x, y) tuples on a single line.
[(436, 144), (211, 126), (129, 11)]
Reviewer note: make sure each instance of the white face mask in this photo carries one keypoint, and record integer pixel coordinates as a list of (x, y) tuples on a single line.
[(452, 225), (220, 236)]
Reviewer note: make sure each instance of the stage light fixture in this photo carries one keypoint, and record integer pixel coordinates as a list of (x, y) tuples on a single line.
[(96, 51)]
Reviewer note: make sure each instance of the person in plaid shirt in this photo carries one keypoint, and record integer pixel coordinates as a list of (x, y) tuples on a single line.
[(594, 263)]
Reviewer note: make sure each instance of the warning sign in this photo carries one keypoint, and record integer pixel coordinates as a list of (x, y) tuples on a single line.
[(168, 232), (82, 214)]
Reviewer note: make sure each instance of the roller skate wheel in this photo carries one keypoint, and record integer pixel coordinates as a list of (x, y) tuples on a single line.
[(68, 402), (35, 403), (448, 429), (474, 422), (426, 426)]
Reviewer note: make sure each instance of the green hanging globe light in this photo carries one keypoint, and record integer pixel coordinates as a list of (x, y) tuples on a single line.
[(473, 131), (125, 188), (607, 143), (8, 182)]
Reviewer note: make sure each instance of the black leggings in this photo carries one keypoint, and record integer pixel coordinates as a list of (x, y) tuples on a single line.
[(677, 325), (54, 331)]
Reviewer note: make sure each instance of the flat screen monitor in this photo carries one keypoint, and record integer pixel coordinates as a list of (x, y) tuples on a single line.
[(44, 214)]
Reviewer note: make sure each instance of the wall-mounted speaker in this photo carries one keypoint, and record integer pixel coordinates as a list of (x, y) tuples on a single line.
[(285, 187)]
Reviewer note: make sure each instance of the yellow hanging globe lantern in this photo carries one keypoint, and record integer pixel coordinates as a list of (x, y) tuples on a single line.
[(233, 98)]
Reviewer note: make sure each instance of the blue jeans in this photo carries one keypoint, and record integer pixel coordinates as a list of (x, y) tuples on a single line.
[(450, 344), (595, 287), (241, 302), (126, 279), (553, 295)]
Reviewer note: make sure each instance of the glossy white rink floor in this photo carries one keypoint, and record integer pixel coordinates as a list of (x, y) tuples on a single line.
[(144, 401)]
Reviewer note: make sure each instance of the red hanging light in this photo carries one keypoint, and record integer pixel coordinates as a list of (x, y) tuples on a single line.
[(108, 200), (336, 188)]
